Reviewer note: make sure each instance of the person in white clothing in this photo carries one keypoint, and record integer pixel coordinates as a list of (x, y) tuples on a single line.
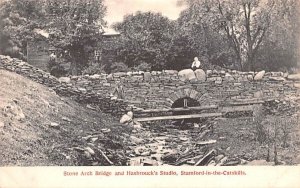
[(196, 64)]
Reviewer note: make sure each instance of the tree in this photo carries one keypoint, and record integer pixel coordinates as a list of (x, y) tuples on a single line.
[(280, 48), (75, 27), (199, 35), (248, 27), (146, 38), (18, 19), (245, 23)]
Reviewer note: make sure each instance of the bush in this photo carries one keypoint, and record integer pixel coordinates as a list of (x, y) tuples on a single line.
[(143, 67), (56, 69), (118, 67), (95, 68)]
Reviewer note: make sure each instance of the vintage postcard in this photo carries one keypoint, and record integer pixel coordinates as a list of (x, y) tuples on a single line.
[(149, 93)]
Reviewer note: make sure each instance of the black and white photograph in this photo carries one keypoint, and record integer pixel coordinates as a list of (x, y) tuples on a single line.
[(161, 83)]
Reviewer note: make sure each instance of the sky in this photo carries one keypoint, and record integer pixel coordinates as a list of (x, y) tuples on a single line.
[(117, 9)]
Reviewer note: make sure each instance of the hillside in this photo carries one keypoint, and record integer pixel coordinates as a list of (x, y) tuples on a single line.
[(38, 127)]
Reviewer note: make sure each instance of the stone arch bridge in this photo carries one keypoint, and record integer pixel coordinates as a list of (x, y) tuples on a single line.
[(118, 92)]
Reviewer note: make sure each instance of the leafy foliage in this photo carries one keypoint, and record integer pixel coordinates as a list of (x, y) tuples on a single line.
[(118, 67), (146, 38), (17, 22), (75, 26), (242, 32)]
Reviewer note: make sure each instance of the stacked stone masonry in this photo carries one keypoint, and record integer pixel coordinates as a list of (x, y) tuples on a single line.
[(118, 92)]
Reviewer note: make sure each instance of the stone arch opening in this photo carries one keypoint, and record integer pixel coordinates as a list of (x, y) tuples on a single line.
[(182, 103)]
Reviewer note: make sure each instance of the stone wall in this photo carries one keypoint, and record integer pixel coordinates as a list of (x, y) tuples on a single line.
[(102, 100), (116, 93)]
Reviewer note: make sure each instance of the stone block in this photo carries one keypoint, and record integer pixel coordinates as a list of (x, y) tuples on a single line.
[(147, 77)]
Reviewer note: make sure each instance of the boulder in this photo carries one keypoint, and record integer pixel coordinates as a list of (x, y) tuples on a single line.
[(259, 75), (186, 74), (200, 75), (295, 77), (126, 118), (64, 80)]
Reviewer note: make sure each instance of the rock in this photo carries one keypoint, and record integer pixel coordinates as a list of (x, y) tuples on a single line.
[(82, 89), (105, 130), (186, 74), (90, 150), (140, 150), (228, 77), (183, 139), (250, 77), (294, 77), (277, 79), (126, 118), (120, 74), (258, 94), (209, 72), (219, 157), (54, 125), (13, 111), (171, 72), (66, 119), (212, 163), (1, 124), (259, 75), (149, 162), (200, 75), (285, 75), (110, 77), (64, 80), (296, 85), (87, 155), (95, 77), (90, 107), (137, 125)]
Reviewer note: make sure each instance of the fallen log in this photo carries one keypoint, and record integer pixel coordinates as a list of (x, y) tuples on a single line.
[(204, 115), (207, 142), (105, 157), (205, 160)]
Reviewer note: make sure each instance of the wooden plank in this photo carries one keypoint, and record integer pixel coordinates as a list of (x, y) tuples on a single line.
[(195, 108), (203, 115), (242, 103)]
